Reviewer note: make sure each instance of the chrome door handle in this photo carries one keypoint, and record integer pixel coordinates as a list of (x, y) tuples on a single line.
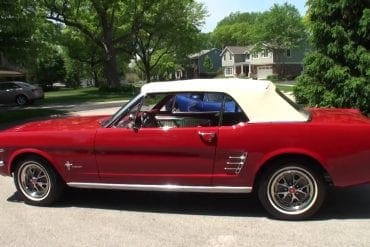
[(207, 136)]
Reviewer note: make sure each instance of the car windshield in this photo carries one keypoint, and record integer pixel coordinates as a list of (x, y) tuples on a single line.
[(23, 84)]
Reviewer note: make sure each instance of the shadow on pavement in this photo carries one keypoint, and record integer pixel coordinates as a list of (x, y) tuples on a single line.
[(349, 203)]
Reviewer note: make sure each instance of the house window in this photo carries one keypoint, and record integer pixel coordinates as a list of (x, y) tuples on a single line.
[(255, 55), (265, 53), (228, 71), (224, 57), (288, 52), (247, 56), (231, 56)]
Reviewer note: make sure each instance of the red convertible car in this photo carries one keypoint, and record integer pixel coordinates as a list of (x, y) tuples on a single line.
[(263, 143)]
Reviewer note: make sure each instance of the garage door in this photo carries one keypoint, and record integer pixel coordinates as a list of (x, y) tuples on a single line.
[(264, 71)]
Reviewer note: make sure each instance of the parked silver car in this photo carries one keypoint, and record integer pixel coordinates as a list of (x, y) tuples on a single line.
[(19, 92)]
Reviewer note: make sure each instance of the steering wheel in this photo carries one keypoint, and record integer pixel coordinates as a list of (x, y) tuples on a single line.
[(147, 119)]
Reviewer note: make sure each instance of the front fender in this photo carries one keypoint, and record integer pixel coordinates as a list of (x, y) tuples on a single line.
[(30, 151)]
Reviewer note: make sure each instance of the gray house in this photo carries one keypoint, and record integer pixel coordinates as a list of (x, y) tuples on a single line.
[(243, 61), (236, 61), (204, 64)]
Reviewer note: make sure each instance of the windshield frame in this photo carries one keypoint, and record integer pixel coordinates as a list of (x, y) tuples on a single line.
[(123, 110)]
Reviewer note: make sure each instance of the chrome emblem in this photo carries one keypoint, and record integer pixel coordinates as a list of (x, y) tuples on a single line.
[(68, 165)]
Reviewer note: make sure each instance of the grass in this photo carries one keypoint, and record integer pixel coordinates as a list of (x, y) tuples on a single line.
[(82, 95), (285, 88)]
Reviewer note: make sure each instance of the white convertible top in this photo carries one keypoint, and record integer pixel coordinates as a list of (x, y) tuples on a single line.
[(258, 98)]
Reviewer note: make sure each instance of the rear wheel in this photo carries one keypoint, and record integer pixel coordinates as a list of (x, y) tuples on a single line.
[(21, 100), (291, 190), (37, 183)]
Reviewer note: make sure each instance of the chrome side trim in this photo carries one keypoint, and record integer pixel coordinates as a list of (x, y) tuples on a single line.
[(166, 187)]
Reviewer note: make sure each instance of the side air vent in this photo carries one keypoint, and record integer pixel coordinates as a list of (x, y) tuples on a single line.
[(236, 163)]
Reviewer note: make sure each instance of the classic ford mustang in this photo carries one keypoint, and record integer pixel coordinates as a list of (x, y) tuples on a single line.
[(250, 137)]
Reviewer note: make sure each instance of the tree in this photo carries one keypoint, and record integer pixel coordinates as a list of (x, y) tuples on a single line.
[(336, 73), (279, 29), (235, 29), (109, 24), (208, 64), (48, 69), (173, 31), (18, 22), (83, 58)]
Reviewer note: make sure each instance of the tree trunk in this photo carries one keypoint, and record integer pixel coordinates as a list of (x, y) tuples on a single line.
[(110, 65), (147, 72), (110, 53)]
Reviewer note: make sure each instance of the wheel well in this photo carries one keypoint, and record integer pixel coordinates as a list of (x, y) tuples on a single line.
[(30, 155), (311, 162)]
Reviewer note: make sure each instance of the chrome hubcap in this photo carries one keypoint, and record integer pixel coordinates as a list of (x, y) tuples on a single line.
[(21, 100), (34, 181), (292, 190)]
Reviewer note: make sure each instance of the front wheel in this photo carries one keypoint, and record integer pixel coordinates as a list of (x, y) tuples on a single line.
[(37, 183), (291, 190), (21, 100)]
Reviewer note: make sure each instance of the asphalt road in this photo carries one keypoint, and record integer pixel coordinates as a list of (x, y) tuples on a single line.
[(119, 218)]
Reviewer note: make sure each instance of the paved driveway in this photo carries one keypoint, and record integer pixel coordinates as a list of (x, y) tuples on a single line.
[(117, 218)]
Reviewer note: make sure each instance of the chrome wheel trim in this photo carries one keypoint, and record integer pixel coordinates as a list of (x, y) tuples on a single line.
[(34, 181), (292, 190), (21, 100)]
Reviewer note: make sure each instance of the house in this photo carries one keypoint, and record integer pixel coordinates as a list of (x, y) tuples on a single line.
[(238, 61), (8, 72), (204, 64)]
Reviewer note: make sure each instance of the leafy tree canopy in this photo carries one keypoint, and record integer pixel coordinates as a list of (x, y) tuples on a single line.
[(280, 28), (173, 31), (235, 29), (337, 72), (18, 22)]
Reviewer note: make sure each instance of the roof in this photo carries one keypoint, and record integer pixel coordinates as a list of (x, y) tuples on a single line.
[(10, 73), (257, 98), (202, 52), (237, 49)]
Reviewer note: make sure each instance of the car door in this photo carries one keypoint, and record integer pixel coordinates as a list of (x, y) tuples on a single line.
[(179, 150), (182, 156), (233, 147), (7, 92)]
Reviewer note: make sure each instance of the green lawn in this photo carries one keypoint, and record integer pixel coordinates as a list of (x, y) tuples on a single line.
[(285, 88), (82, 95)]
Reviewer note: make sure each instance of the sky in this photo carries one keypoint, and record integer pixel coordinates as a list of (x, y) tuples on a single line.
[(218, 9)]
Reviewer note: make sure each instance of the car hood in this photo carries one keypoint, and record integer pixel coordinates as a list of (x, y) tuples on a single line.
[(62, 124), (333, 115)]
